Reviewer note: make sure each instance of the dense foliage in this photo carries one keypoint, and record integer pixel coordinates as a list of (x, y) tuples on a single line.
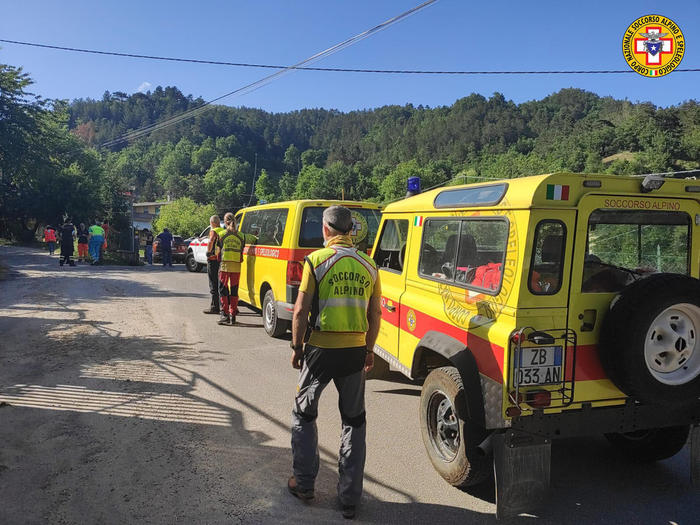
[(368, 154)]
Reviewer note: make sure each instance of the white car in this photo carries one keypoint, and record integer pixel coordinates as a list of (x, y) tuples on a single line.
[(196, 258)]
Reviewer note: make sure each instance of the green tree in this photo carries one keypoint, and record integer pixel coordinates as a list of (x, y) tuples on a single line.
[(184, 217), (227, 183), (265, 188)]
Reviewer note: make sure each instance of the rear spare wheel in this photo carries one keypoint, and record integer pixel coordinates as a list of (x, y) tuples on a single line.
[(650, 340)]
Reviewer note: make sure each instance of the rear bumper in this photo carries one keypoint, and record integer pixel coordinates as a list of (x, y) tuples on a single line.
[(590, 421), (285, 310)]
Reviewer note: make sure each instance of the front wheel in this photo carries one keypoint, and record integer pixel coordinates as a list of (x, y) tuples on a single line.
[(450, 438), (652, 444), (191, 264), (274, 326)]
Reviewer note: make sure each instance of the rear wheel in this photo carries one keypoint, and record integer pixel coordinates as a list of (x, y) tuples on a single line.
[(274, 326), (192, 264), (450, 438), (652, 444)]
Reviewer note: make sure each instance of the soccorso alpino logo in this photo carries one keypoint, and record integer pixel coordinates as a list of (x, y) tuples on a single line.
[(653, 45)]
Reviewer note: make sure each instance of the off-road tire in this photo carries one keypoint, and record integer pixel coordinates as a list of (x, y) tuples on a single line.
[(652, 444), (629, 323), (191, 264), (469, 465), (274, 326)]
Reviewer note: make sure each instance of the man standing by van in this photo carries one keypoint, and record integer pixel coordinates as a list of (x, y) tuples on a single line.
[(213, 263), (340, 287), (96, 238)]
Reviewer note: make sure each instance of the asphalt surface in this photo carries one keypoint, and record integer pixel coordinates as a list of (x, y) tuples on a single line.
[(121, 402)]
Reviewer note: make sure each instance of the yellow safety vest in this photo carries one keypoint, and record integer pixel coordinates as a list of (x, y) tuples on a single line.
[(232, 244), (345, 279)]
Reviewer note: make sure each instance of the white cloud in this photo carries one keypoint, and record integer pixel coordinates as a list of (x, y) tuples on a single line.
[(145, 86)]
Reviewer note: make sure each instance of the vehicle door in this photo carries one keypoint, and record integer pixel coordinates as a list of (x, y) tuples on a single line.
[(618, 240), (390, 254)]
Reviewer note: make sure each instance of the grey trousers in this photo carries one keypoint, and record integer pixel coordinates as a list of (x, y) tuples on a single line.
[(351, 459)]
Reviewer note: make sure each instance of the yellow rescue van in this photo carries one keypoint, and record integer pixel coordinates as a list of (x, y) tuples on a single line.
[(544, 307), (286, 233)]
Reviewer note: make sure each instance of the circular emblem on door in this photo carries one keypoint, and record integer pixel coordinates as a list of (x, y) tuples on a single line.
[(653, 45), (411, 320)]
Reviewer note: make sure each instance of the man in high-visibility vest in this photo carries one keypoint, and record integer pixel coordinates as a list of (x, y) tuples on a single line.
[(215, 231), (231, 245), (340, 289), (96, 238)]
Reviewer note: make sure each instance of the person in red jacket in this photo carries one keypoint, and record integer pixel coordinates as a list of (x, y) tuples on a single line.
[(50, 239)]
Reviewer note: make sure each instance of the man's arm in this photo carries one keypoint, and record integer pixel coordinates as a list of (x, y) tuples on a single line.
[(212, 242), (374, 317), (300, 321)]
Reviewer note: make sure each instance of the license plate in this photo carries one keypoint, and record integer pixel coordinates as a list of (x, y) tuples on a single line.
[(540, 365)]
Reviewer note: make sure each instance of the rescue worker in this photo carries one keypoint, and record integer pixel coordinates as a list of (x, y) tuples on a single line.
[(340, 288), (215, 232), (82, 243), (96, 236), (67, 241), (231, 245), (50, 239)]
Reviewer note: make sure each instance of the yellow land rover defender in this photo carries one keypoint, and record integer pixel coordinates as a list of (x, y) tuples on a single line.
[(543, 307)]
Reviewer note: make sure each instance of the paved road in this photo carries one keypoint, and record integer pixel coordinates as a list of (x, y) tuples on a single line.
[(125, 403)]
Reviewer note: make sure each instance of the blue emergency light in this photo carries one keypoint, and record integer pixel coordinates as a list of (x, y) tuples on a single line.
[(413, 186)]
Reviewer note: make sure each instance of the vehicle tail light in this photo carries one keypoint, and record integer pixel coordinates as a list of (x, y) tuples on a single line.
[(294, 273), (538, 398)]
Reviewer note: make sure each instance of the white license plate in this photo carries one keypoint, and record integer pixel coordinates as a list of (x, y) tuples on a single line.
[(540, 365)]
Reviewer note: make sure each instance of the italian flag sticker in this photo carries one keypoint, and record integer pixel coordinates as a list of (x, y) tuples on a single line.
[(653, 72), (557, 192), (418, 221)]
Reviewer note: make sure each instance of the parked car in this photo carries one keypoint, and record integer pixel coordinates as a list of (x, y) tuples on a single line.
[(179, 249)]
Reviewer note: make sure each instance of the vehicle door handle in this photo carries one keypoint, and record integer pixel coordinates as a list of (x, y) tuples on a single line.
[(390, 307), (588, 317)]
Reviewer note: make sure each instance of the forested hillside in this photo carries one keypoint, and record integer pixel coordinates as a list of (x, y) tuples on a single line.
[(369, 154), (53, 162)]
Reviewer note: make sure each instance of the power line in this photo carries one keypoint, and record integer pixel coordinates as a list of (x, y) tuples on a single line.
[(269, 78), (339, 69)]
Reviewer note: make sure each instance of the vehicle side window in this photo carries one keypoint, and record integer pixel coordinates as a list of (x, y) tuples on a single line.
[(547, 265), (466, 252), (439, 249), (391, 251), (205, 233), (271, 226), (251, 223)]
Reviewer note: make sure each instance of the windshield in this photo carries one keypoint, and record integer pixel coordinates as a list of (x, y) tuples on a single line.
[(625, 245), (365, 226)]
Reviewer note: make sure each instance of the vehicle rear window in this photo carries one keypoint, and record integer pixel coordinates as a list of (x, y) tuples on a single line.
[(267, 225), (392, 245), (623, 246), (365, 226)]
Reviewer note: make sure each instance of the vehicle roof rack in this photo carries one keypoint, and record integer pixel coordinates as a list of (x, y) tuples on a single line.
[(687, 174)]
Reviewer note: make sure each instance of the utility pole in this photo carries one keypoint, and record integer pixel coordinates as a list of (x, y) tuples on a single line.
[(252, 190)]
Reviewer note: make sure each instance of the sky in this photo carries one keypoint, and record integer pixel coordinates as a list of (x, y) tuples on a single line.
[(449, 35)]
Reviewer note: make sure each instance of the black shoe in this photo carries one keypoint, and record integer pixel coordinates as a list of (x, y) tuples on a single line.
[(211, 311), (232, 320), (223, 320), (348, 511), (296, 491)]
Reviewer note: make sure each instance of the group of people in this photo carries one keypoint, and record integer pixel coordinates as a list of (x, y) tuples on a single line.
[(224, 258), (92, 241)]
